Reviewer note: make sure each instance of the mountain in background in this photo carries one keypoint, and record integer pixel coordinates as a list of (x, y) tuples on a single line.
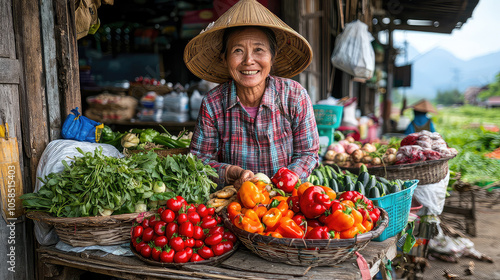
[(438, 69)]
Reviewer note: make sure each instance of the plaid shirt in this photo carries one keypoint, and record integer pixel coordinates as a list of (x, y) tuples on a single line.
[(282, 134)]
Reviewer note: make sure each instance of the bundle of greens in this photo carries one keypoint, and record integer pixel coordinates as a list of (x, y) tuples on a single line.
[(95, 184), (187, 176)]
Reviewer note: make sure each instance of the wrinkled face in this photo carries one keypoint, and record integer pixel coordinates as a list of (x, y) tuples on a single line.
[(248, 57)]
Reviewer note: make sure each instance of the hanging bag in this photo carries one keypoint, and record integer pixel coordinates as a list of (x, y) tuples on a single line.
[(81, 128), (353, 52)]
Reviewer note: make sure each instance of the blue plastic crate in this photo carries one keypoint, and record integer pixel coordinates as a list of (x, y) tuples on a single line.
[(328, 115), (398, 207)]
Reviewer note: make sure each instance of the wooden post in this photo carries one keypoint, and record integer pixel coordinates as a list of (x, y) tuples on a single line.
[(389, 60), (67, 55)]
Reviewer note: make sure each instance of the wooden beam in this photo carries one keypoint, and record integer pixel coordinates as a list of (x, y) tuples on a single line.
[(32, 92), (67, 55)]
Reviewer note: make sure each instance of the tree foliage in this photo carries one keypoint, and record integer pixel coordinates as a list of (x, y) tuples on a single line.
[(493, 89), (449, 97)]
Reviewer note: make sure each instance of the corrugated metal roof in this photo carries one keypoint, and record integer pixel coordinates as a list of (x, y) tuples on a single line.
[(441, 16)]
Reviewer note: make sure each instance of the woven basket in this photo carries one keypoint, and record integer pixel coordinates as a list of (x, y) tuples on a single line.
[(426, 172), (214, 261), (159, 152), (88, 231), (306, 252)]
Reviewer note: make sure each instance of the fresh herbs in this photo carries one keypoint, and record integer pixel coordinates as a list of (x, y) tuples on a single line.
[(187, 176)]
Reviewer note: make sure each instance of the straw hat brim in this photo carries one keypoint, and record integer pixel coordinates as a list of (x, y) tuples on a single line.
[(202, 54), (424, 106)]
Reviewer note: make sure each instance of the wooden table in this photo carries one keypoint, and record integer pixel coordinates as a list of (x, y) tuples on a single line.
[(243, 264)]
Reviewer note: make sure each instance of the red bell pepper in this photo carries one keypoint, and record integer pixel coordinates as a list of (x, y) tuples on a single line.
[(314, 202), (357, 198), (300, 220), (318, 233), (285, 179), (293, 204)]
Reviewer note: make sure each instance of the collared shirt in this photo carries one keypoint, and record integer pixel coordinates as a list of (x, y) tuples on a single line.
[(283, 133)]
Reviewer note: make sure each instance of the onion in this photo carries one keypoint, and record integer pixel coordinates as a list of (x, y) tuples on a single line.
[(351, 148), (366, 159), (376, 161), (341, 157), (391, 151), (391, 158), (358, 165), (349, 139), (263, 177), (339, 148), (344, 143), (106, 212), (330, 155), (369, 148), (357, 156)]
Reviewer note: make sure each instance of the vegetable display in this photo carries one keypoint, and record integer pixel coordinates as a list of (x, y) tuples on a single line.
[(181, 233), (145, 139), (309, 210), (95, 184), (348, 153), (364, 183)]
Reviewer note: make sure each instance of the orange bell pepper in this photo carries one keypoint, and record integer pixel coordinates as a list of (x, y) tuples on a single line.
[(288, 228), (279, 198), (358, 217), (349, 233), (233, 209), (304, 186), (361, 227), (283, 207), (266, 197), (261, 185), (260, 209), (367, 224), (250, 195), (271, 218), (340, 220), (274, 234), (289, 213), (249, 222), (331, 193)]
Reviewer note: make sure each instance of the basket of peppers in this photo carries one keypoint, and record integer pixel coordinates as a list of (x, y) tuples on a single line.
[(305, 225)]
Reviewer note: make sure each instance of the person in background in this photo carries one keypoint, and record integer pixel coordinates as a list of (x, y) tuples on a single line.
[(421, 121), (257, 120)]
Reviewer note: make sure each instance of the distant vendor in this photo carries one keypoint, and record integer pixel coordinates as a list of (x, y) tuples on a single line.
[(421, 121)]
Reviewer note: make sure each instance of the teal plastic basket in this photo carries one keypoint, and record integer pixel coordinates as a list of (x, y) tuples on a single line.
[(328, 115), (398, 207)]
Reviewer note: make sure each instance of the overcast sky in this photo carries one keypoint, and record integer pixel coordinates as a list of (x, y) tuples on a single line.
[(480, 35)]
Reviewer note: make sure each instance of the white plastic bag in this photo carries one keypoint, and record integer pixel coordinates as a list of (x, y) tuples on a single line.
[(51, 162), (353, 52), (432, 197)]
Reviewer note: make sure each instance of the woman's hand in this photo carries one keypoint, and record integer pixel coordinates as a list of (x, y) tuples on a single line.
[(236, 175)]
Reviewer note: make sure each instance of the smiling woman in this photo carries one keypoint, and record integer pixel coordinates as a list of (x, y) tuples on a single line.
[(257, 120)]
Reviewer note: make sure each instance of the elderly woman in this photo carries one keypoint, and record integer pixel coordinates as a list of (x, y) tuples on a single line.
[(253, 121)]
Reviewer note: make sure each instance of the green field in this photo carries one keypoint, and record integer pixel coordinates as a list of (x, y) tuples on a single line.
[(468, 129)]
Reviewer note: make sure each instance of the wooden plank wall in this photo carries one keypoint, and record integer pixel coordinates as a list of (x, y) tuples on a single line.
[(39, 85)]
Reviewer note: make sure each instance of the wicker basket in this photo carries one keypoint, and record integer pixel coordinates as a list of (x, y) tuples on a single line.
[(306, 252), (426, 172), (88, 231), (214, 261), (160, 152)]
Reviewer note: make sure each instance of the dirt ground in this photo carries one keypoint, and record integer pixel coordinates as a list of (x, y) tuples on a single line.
[(486, 241)]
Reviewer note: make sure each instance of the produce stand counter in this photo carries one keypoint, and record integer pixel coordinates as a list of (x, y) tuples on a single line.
[(243, 264)]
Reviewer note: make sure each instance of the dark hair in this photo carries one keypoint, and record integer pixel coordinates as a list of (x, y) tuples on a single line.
[(271, 37)]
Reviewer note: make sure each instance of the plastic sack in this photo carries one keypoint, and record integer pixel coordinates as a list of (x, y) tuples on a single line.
[(81, 128), (51, 162), (353, 52), (432, 197)]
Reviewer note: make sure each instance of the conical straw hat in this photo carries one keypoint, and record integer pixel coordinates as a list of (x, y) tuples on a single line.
[(424, 106), (202, 53)]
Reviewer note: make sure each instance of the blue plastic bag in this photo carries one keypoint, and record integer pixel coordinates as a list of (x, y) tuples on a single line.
[(81, 128)]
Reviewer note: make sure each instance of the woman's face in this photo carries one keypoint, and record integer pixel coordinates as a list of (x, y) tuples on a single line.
[(248, 57)]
